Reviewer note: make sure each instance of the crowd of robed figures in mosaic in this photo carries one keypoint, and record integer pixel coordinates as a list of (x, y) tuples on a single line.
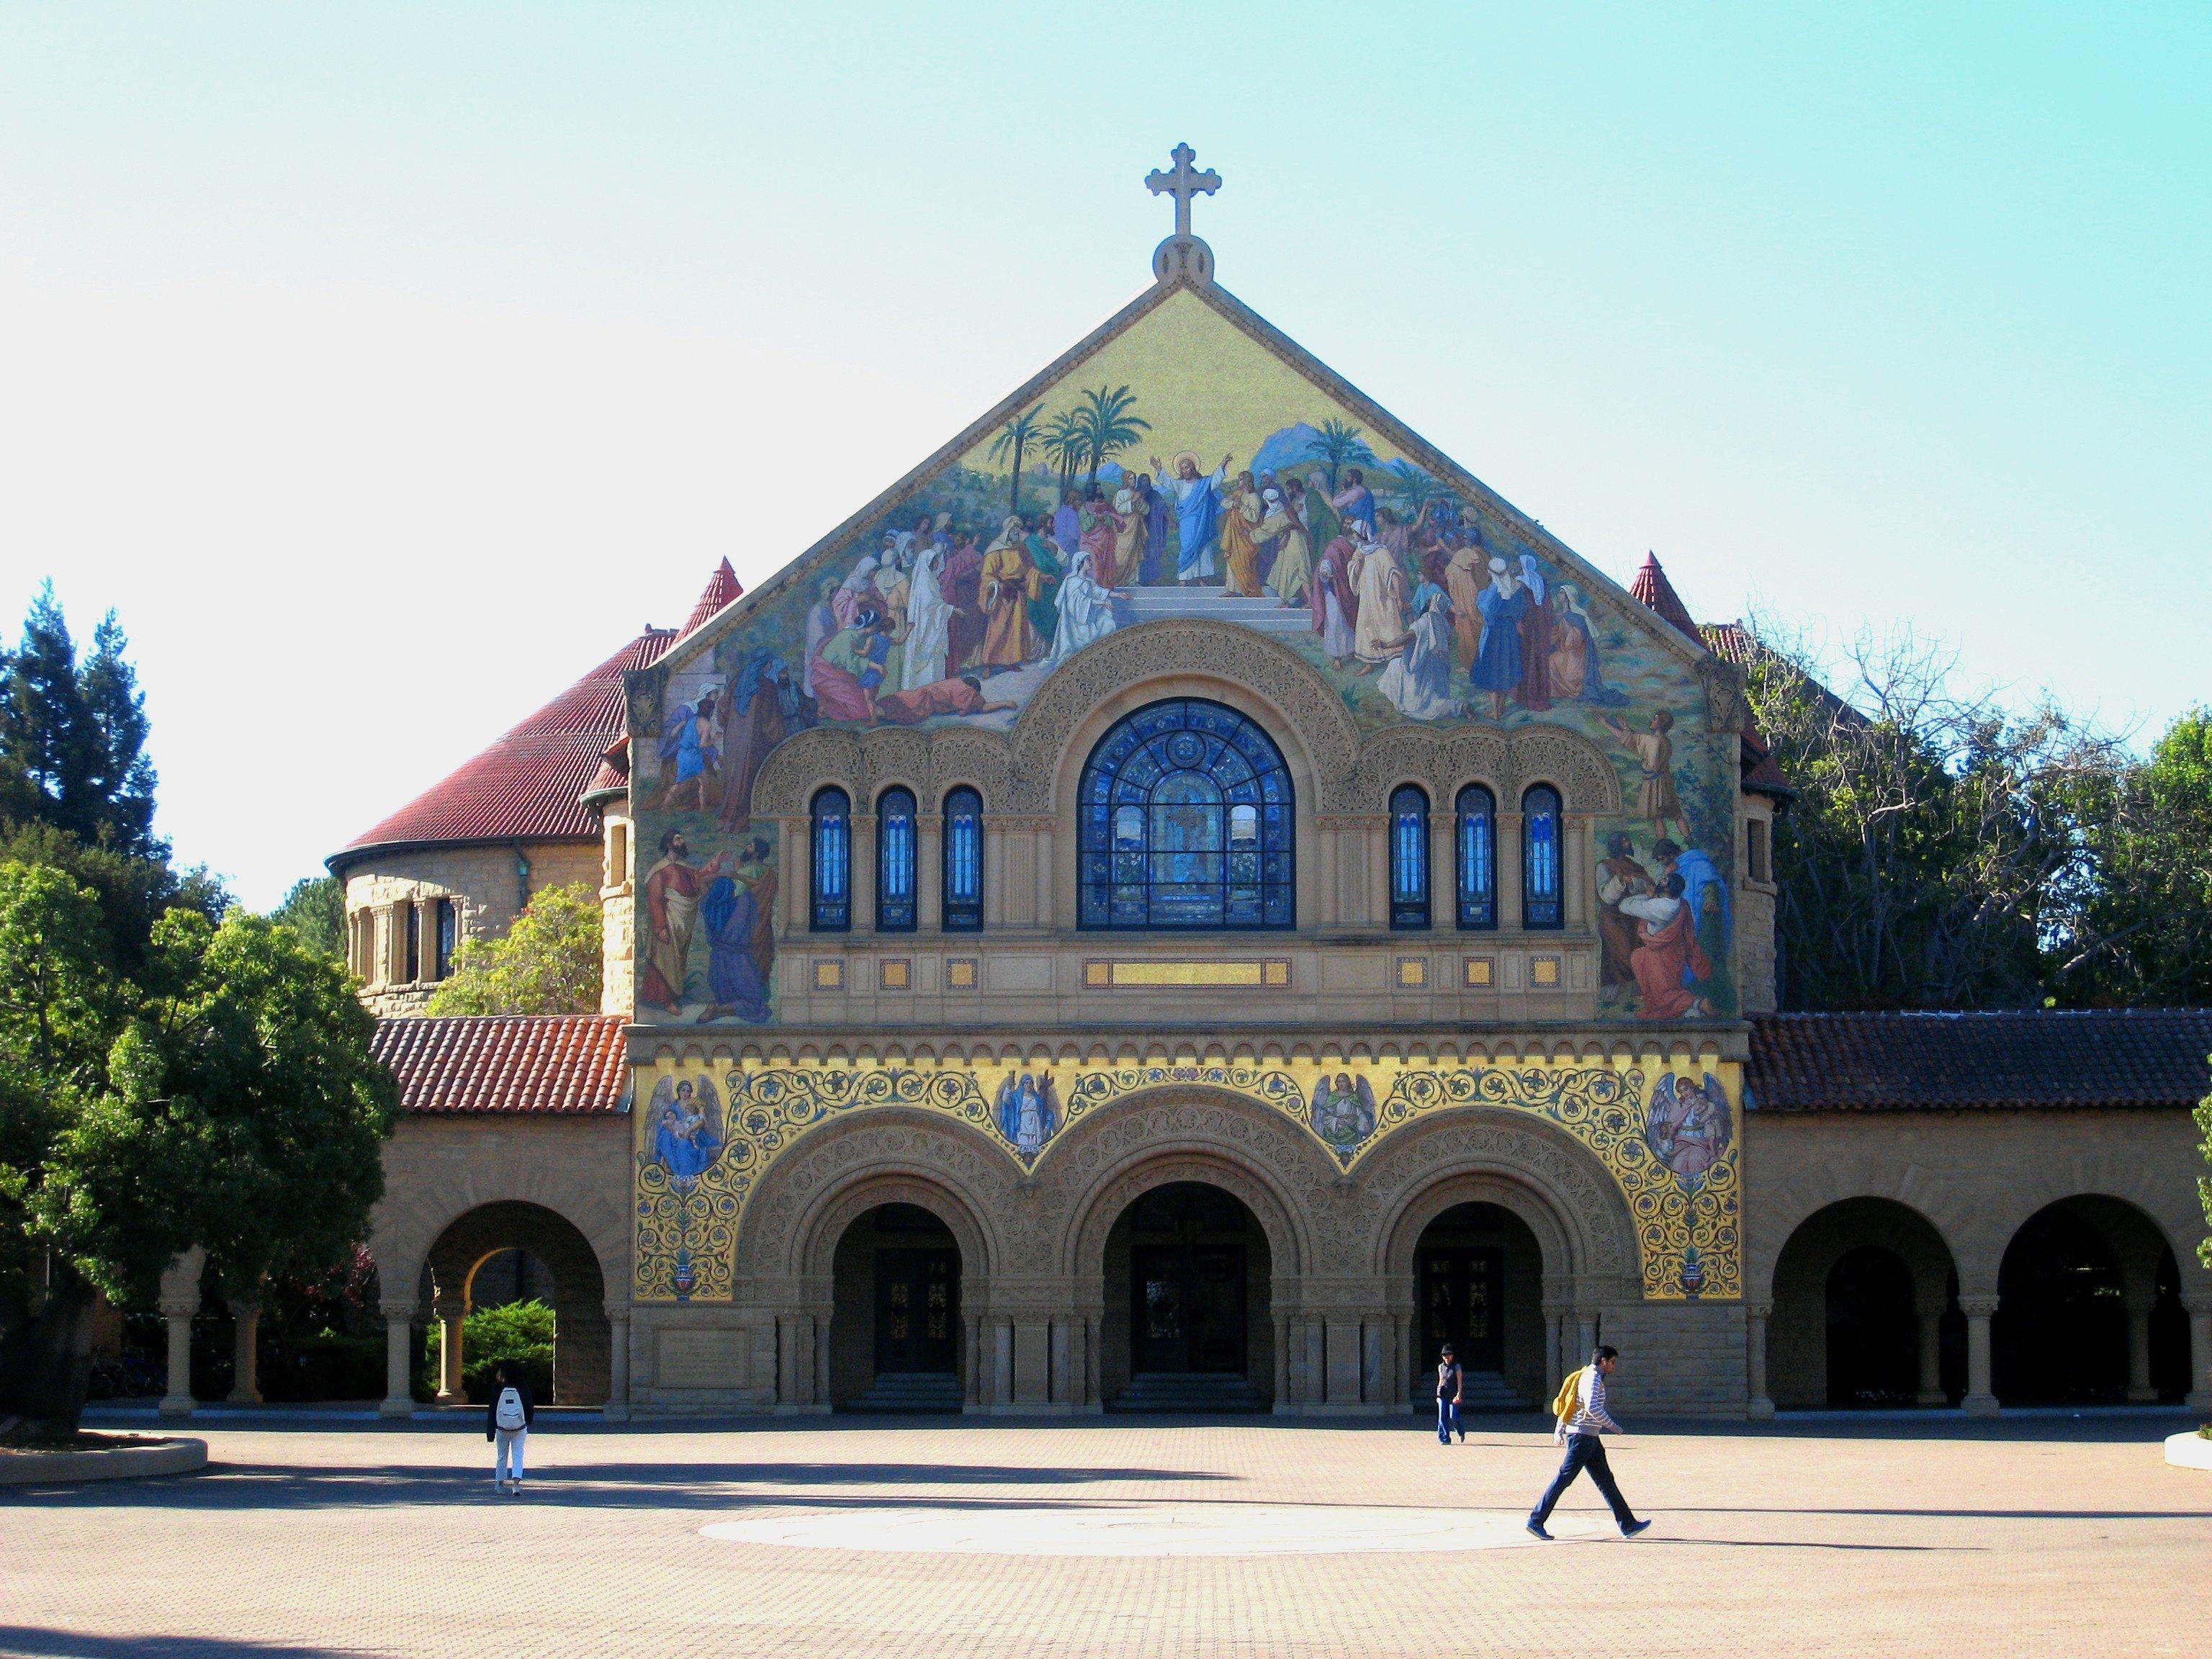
[(957, 607)]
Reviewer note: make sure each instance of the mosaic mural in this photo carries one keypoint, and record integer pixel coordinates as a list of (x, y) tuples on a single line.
[(1182, 468), (1667, 1139)]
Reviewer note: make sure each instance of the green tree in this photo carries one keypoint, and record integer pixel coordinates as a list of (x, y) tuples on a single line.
[(133, 893), (2141, 933), (73, 736), (1065, 445), (315, 910), (1013, 443), (548, 962), (2204, 1183), (228, 1098), (1107, 426), (1934, 854), (1338, 444), (1415, 487)]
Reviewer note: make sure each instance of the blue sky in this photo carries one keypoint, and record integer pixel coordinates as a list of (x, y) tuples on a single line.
[(386, 367)]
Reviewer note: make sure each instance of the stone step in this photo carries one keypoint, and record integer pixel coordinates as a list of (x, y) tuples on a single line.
[(909, 1392), (1266, 613), (1479, 1391), (1187, 1394)]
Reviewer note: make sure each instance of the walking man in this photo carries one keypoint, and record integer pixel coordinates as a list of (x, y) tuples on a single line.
[(1582, 1422), (507, 1425), (1449, 1380)]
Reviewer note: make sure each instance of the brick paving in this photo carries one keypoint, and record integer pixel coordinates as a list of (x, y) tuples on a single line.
[(2033, 1537)]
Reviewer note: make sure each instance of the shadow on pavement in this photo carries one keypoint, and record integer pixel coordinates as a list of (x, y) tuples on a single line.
[(35, 1643), (233, 1485)]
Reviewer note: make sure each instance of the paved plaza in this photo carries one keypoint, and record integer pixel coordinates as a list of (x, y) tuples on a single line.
[(887, 1537)]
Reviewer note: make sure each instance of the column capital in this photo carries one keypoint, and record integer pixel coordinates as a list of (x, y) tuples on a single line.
[(1758, 1310), (618, 1310), (178, 1307), (1978, 1307), (450, 1307), (396, 1308), (2198, 1303)]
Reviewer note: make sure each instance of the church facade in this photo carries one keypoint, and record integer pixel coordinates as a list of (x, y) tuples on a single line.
[(1190, 901)]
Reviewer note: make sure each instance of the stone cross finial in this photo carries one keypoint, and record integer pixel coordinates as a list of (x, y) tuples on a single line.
[(1183, 254)]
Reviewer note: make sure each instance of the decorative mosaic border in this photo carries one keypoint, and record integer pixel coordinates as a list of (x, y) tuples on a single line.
[(1683, 1190)]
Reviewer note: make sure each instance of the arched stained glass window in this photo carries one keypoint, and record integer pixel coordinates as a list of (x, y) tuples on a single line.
[(1477, 858), (1541, 905), (1409, 857), (1186, 822), (963, 861), (895, 862), (833, 862)]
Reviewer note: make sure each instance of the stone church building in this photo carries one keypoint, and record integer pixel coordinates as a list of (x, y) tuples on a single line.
[(1189, 901)]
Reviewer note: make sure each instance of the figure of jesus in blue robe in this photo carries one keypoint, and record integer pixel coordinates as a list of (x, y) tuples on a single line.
[(1197, 502)]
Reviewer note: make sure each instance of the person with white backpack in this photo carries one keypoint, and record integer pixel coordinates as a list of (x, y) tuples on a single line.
[(507, 1425)]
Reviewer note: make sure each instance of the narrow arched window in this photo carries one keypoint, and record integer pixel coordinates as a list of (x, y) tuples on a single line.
[(1409, 857), (1541, 905), (1476, 855), (833, 861), (895, 862), (963, 861)]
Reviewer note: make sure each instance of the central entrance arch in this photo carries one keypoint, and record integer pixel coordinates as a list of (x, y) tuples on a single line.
[(1479, 1285), (895, 1328), (1188, 1323)]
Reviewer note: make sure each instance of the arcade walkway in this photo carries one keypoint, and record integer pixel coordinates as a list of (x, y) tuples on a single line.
[(2037, 1536)]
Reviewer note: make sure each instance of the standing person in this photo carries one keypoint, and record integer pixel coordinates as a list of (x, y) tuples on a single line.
[(1451, 1379), (1583, 1423), (507, 1425)]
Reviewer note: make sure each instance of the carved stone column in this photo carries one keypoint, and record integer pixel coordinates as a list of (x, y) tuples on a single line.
[(1931, 1358), (181, 1300), (1555, 1342), (616, 1409), (1755, 1316), (2138, 1302), (1981, 1400), (2200, 1351), (245, 1350), (451, 1311), (398, 1360), (1282, 1364)]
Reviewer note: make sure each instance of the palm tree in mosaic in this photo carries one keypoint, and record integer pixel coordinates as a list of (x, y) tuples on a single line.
[(1108, 427), (1414, 487), (1013, 441), (1337, 446), (1067, 445)]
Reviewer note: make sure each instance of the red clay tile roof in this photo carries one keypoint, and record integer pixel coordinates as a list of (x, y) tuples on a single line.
[(1731, 641), (526, 786), (1650, 585), (551, 1063), (1872, 1062), (723, 588)]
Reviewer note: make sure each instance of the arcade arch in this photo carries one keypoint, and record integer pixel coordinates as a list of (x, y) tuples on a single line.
[(1865, 1310), (583, 1336)]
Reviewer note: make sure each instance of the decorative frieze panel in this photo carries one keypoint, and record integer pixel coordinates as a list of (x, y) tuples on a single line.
[(1665, 1134)]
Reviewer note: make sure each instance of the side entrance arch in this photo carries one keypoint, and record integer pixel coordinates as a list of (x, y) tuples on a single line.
[(896, 1334), (582, 1335), (1188, 1322)]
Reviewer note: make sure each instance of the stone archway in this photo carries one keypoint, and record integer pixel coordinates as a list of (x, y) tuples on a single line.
[(1544, 1185), (2088, 1308), (835, 1179), (583, 1335), (1103, 1164), (1866, 1309)]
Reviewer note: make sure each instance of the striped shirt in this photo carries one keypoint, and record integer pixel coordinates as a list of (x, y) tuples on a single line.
[(1589, 1415)]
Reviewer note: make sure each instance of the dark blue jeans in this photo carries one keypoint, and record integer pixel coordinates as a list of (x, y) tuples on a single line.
[(1584, 1451), (1447, 1418)]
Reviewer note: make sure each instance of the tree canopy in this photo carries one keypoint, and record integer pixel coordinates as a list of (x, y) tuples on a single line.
[(73, 736), (547, 962), (173, 1071), (314, 910), (1944, 851)]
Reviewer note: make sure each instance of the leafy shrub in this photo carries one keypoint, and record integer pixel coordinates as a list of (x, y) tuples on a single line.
[(520, 1334)]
